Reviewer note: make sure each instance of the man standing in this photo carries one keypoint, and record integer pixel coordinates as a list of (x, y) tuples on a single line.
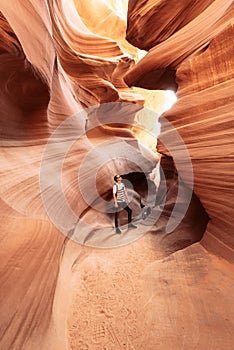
[(120, 202)]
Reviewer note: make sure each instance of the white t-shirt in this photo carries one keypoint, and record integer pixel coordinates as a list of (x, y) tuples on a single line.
[(119, 188)]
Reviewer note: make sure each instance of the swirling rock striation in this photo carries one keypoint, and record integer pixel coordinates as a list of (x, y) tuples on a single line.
[(203, 71), (52, 149), (156, 70), (204, 118)]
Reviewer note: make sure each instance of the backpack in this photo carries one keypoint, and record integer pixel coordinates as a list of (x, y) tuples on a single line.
[(146, 212)]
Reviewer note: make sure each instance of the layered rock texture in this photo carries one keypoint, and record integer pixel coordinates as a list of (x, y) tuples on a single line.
[(204, 110), (73, 96)]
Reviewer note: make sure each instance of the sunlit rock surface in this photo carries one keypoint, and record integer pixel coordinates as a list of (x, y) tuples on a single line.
[(155, 287), (204, 116), (157, 69)]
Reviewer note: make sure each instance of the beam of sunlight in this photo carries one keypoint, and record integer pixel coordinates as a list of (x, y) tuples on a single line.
[(147, 125)]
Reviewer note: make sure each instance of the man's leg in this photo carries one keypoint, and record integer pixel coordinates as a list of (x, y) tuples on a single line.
[(116, 217), (129, 211), (117, 229)]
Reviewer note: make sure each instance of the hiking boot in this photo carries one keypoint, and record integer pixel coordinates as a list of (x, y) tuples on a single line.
[(131, 226), (117, 230)]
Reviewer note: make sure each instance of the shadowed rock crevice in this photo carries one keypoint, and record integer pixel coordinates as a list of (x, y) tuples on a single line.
[(24, 94), (190, 217), (195, 220), (157, 79), (151, 288)]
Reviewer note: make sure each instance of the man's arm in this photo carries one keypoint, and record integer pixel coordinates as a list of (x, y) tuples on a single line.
[(114, 196)]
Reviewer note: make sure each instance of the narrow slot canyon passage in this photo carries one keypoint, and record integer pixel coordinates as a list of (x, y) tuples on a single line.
[(91, 90), (114, 298)]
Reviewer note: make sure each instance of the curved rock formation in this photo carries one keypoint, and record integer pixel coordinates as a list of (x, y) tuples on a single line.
[(205, 101), (69, 122), (202, 114), (152, 22), (157, 69)]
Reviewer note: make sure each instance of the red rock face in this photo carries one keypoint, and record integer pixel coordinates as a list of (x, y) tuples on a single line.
[(202, 113), (148, 288), (152, 22), (164, 58), (203, 116)]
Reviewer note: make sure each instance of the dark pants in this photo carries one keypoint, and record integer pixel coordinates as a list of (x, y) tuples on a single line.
[(123, 205)]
